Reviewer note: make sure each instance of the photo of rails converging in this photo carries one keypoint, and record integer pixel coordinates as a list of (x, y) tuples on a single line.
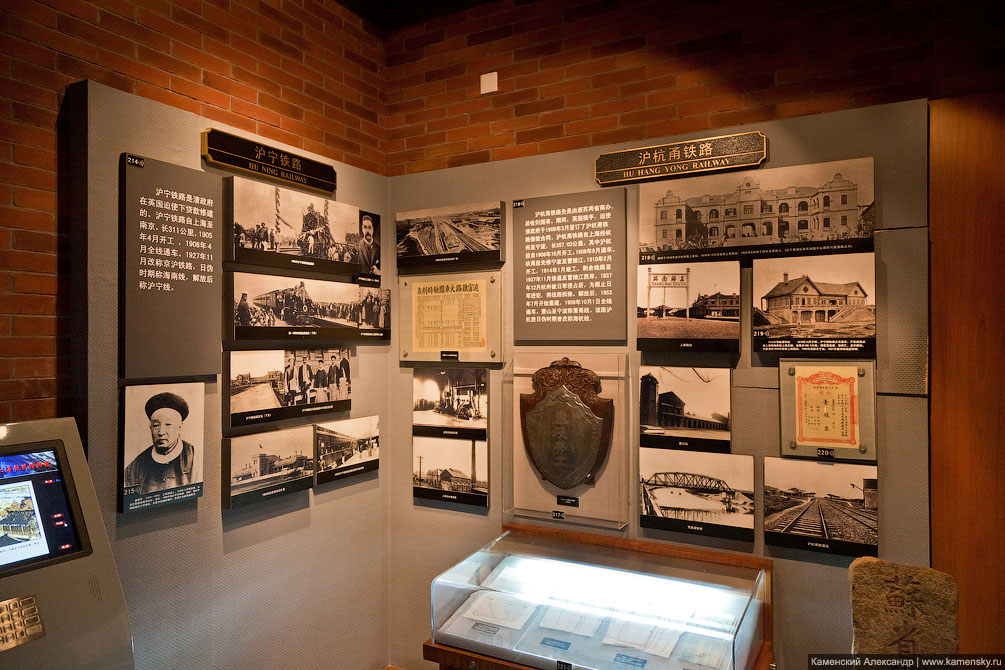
[(821, 502), (457, 229)]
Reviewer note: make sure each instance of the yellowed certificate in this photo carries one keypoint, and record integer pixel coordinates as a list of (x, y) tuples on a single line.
[(449, 316), (827, 410)]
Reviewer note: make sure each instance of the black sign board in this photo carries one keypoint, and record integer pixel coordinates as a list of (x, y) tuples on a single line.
[(707, 154), (170, 278), (231, 152)]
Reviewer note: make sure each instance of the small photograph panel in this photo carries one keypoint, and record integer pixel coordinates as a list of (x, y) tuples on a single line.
[(697, 492), (457, 234), (162, 444), (450, 470), (271, 385), (267, 465), (450, 402), (684, 408), (827, 507), (346, 448), (689, 306), (818, 305), (368, 244)]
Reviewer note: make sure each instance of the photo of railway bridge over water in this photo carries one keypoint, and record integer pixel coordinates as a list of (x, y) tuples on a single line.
[(699, 492), (831, 507)]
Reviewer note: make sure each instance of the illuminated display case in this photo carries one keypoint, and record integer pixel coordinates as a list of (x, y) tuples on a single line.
[(550, 602)]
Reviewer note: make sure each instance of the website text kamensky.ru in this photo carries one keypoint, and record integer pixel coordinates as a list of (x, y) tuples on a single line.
[(906, 661)]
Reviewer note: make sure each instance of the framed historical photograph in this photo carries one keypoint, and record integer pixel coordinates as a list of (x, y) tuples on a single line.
[(787, 211), (815, 306), (470, 234), (276, 384), (569, 457), (684, 408), (261, 466), (162, 433), (451, 317), (697, 492), (450, 402), (828, 409), (346, 448), (450, 470), (281, 227), (274, 307), (689, 306), (826, 507)]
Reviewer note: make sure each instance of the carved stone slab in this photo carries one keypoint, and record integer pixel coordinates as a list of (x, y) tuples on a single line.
[(902, 609), (566, 426)]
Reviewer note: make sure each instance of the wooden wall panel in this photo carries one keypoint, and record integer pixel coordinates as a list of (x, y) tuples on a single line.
[(967, 204)]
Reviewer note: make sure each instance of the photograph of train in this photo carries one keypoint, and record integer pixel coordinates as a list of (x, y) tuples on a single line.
[(696, 305), (450, 470), (471, 233), (684, 408), (697, 492), (347, 447), (276, 304), (267, 465), (453, 397), (274, 225), (827, 507)]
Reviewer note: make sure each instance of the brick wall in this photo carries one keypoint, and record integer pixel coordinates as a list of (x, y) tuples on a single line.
[(578, 73), (305, 72), (572, 74)]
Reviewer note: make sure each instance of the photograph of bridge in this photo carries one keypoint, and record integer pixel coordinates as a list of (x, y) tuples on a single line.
[(828, 507), (697, 492), (684, 408), (471, 233)]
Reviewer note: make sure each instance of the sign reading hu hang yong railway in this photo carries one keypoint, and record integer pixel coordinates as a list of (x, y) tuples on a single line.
[(231, 152), (709, 154)]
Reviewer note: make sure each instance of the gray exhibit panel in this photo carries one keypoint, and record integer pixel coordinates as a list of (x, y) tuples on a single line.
[(902, 311), (78, 599)]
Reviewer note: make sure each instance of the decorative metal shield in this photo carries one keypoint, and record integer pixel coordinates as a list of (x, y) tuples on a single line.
[(566, 427)]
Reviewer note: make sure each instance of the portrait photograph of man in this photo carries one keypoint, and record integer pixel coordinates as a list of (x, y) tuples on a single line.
[(162, 444), (368, 247)]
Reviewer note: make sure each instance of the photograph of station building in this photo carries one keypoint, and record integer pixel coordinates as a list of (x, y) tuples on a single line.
[(804, 300)]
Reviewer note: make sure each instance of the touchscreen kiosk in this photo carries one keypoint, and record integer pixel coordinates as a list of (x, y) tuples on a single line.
[(61, 603)]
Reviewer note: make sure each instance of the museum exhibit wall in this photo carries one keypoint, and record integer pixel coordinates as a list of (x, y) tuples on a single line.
[(572, 73), (296, 581), (812, 611)]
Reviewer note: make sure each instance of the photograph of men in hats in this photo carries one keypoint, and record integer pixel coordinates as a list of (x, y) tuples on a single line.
[(163, 442)]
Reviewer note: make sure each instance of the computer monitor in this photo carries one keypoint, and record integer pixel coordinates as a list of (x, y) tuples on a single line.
[(61, 602)]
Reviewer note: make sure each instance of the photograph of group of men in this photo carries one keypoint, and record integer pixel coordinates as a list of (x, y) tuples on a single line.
[(316, 376)]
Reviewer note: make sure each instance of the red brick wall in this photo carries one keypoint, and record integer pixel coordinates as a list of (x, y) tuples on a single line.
[(580, 73), (303, 72), (572, 73)]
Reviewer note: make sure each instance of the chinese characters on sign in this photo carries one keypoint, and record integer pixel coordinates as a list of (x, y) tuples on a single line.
[(449, 315), (176, 232), (827, 406), (702, 155), (231, 152), (572, 261)]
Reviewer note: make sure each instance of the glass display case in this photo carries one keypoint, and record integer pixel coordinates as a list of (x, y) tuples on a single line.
[(550, 603)]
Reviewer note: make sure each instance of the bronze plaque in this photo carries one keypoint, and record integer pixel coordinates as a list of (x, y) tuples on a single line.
[(566, 427), (707, 154)]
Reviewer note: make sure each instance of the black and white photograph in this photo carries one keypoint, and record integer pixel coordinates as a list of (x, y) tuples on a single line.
[(827, 507), (450, 470), (459, 234), (285, 228), (821, 305), (271, 385), (346, 448), (450, 402), (267, 465), (697, 492), (797, 210), (162, 444), (689, 306), (271, 307), (684, 408)]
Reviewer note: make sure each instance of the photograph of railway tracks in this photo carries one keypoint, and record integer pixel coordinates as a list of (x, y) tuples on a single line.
[(470, 234), (691, 306), (697, 492), (815, 304), (684, 408), (826, 507)]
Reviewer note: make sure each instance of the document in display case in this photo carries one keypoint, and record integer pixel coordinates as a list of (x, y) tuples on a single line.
[(545, 602)]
